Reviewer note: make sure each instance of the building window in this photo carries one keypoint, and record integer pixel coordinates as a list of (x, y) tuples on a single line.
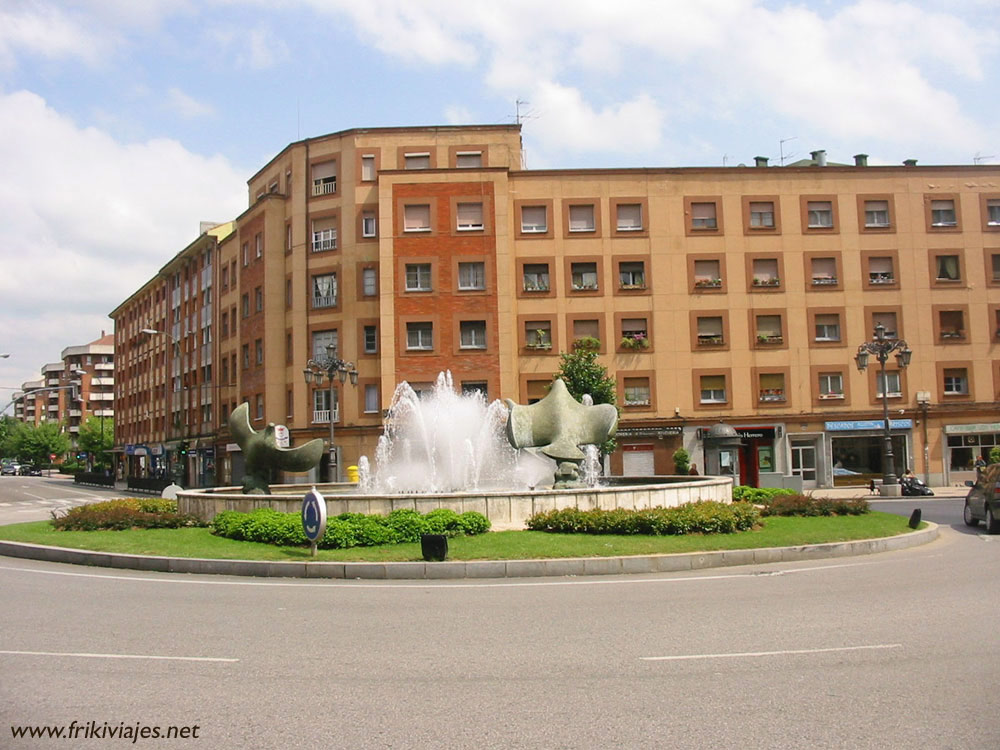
[(324, 234), (771, 388), (584, 276), (469, 216), (322, 413), (288, 293), (586, 329), (703, 216), (536, 277), (367, 167), (876, 214), (888, 321), (321, 343), (288, 239), (224, 324), (468, 159), (371, 398), (538, 334), (765, 272), (258, 349), (417, 218), (475, 386), (371, 339), (943, 213), (258, 299), (632, 275), (369, 282), (325, 290), (820, 214), (891, 381), (956, 381), (245, 305), (831, 385), (761, 214), (713, 389), (420, 336), (880, 271), (629, 217), (421, 160), (710, 331), (581, 218), (245, 352), (324, 178), (472, 334), (418, 277), (636, 391), (245, 253), (369, 224), (707, 274), (947, 268), (769, 329), (827, 327), (992, 212), (472, 276), (823, 271), (260, 406), (534, 220), (635, 334), (952, 324), (995, 267)]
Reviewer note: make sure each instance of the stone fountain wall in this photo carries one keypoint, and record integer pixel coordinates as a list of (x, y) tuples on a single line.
[(505, 509)]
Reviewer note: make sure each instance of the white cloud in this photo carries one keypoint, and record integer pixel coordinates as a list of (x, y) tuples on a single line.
[(185, 105), (88, 220), (45, 31), (456, 114)]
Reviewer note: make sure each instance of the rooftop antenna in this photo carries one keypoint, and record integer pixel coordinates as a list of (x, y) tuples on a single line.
[(979, 158), (781, 148), (520, 117)]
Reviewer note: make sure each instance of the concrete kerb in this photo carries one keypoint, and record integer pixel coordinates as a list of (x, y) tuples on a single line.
[(452, 569)]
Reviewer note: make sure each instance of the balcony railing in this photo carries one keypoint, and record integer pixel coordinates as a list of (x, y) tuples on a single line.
[(772, 394), (325, 187), (322, 416), (329, 300)]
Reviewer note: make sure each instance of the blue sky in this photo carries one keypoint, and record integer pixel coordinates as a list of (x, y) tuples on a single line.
[(123, 123)]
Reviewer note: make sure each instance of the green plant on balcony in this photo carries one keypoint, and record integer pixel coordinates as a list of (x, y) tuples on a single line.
[(587, 344), (540, 340), (634, 341), (761, 281), (769, 338), (708, 283)]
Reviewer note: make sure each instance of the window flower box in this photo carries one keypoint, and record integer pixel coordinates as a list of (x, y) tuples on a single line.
[(534, 286), (824, 280), (708, 283), (830, 396), (637, 402), (769, 338), (626, 287), (881, 278), (539, 345), (758, 281), (582, 287), (634, 342), (710, 341), (953, 334), (772, 394)]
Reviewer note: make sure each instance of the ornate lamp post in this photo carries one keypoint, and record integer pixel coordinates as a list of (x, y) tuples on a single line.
[(332, 368), (882, 347)]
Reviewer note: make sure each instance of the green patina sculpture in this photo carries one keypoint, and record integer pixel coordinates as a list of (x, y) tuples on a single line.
[(557, 425), (262, 454)]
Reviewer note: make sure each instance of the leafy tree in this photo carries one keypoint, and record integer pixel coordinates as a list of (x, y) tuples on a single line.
[(34, 444), (97, 437), (682, 461), (583, 374), (8, 428)]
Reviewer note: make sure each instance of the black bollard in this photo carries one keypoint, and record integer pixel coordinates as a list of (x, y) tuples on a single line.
[(915, 518), (434, 547)]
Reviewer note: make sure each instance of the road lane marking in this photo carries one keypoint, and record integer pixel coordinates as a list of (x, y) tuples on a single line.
[(154, 657), (786, 652)]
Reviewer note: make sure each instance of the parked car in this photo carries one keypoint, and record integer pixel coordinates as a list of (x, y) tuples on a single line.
[(10, 470), (983, 501), (30, 471)]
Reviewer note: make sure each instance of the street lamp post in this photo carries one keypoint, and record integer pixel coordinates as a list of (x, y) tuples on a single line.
[(332, 368), (882, 346)]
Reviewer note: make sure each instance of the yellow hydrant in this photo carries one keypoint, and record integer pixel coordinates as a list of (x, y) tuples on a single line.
[(352, 474)]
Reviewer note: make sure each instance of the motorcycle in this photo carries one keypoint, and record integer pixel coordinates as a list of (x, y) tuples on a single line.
[(913, 487)]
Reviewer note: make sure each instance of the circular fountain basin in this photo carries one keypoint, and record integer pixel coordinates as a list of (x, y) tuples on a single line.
[(506, 509)]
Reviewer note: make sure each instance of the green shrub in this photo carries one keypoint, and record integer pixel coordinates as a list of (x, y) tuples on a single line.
[(758, 495), (124, 513), (682, 461), (805, 505), (692, 518), (348, 529)]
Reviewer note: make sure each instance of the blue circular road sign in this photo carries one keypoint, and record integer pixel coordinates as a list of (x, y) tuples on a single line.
[(313, 515)]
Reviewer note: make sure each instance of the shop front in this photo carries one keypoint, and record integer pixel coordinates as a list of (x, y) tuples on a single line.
[(857, 447), (645, 451), (757, 452), (965, 445)]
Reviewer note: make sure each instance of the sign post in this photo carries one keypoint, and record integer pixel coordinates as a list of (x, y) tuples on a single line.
[(313, 517)]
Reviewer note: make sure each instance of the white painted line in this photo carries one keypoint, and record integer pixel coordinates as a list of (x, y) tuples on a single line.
[(4, 503), (117, 656), (750, 654)]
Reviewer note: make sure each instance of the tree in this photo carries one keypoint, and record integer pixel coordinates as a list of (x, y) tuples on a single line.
[(97, 437), (682, 461), (583, 374), (8, 428), (35, 444)]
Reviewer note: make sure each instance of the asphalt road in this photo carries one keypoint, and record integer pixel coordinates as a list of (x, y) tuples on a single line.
[(35, 498), (887, 651)]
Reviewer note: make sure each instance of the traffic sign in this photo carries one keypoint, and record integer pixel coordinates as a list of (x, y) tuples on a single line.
[(313, 517)]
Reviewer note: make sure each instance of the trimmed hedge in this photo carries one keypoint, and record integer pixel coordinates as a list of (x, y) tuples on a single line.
[(759, 495), (806, 505), (124, 513), (269, 526), (692, 518)]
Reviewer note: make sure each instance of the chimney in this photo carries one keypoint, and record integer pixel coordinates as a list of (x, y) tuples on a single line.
[(909, 162), (819, 157), (760, 161), (861, 160)]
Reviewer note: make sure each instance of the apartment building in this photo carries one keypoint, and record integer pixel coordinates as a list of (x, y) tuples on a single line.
[(79, 386), (735, 294)]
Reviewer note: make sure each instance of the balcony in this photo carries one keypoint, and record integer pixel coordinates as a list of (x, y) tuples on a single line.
[(325, 186), (708, 283), (824, 280), (710, 340), (881, 278), (831, 396), (322, 416), (325, 240), (768, 339), (329, 300), (772, 395), (535, 286), (766, 282)]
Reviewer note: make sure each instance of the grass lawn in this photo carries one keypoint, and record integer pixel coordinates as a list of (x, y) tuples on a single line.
[(498, 545)]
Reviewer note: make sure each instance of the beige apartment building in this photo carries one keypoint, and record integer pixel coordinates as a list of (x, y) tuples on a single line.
[(735, 294)]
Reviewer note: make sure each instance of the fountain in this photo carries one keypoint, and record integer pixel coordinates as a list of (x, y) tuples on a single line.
[(444, 449)]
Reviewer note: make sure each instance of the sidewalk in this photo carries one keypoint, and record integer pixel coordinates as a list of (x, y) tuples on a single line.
[(840, 493)]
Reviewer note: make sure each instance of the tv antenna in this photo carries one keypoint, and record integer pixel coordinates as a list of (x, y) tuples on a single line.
[(980, 159), (781, 148), (528, 114)]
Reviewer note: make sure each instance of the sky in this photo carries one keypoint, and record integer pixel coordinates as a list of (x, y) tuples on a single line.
[(125, 123)]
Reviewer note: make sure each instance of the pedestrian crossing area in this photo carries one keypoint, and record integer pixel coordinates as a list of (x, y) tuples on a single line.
[(52, 503)]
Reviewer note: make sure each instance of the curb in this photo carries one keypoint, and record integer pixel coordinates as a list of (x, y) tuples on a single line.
[(574, 566)]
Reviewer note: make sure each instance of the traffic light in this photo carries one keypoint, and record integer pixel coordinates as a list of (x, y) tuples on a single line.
[(183, 448)]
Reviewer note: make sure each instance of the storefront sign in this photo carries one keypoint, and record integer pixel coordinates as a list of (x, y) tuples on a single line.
[(960, 429), (868, 424), (631, 432), (281, 438), (752, 433)]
